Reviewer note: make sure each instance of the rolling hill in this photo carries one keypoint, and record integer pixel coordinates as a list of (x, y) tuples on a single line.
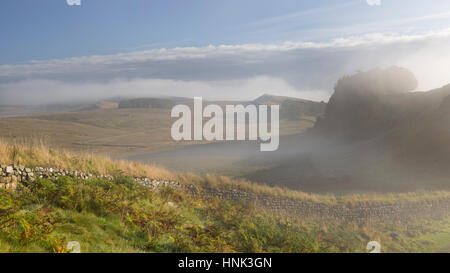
[(119, 127)]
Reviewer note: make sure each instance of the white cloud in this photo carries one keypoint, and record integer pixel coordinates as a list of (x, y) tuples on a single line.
[(300, 14), (307, 69), (248, 53), (374, 2), (73, 2)]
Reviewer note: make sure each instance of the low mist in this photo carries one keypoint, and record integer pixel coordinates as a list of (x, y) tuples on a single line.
[(307, 70)]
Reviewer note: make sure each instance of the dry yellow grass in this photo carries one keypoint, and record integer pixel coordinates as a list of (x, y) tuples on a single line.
[(116, 132), (34, 152), (350, 200)]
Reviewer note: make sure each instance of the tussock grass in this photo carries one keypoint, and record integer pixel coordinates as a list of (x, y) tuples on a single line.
[(351, 200), (35, 152), (227, 183), (123, 216)]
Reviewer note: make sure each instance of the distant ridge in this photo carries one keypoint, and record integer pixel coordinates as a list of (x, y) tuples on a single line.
[(293, 108), (147, 103), (272, 99)]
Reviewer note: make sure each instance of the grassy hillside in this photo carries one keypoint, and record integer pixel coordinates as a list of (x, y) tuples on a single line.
[(115, 132), (123, 216), (143, 133), (32, 154), (30, 110)]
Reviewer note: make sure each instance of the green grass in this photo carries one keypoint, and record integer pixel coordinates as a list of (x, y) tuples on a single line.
[(122, 216), (434, 237)]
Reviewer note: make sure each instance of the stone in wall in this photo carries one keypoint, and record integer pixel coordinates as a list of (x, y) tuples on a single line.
[(11, 176)]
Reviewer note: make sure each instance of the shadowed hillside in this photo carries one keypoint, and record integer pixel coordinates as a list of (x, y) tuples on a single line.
[(293, 108), (147, 103), (366, 104), (375, 136)]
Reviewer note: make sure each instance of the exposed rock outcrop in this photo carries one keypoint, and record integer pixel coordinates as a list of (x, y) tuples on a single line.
[(361, 105)]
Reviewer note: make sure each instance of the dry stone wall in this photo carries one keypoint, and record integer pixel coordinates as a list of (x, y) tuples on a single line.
[(10, 176), (374, 213)]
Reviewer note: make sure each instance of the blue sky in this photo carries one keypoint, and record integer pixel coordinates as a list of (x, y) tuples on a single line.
[(43, 29), (292, 47)]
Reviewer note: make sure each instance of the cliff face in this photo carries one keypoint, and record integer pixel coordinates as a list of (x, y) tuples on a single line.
[(363, 105), (383, 122), (424, 141), (375, 135)]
